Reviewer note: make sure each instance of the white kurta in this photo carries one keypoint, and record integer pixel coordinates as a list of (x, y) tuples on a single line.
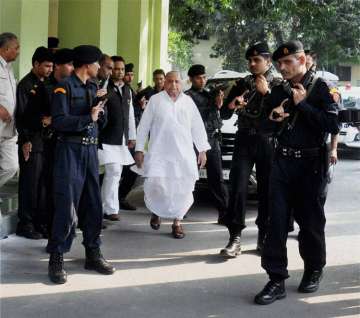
[(119, 153), (170, 165), (114, 157)]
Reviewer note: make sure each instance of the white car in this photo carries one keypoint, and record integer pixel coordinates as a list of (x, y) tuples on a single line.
[(349, 136)]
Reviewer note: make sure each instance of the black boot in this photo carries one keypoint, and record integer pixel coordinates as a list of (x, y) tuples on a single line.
[(95, 261), (272, 291), (57, 273), (28, 231), (221, 218), (233, 248), (260, 241), (310, 282)]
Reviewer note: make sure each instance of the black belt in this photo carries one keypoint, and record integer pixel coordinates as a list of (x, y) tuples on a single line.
[(79, 140), (298, 153), (249, 131)]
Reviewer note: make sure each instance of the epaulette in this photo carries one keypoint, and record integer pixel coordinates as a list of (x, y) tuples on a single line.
[(60, 90)]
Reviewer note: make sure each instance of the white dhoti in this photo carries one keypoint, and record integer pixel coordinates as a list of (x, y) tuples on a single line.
[(169, 197)]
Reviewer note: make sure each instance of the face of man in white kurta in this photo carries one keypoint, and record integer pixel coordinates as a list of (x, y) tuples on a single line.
[(172, 125)]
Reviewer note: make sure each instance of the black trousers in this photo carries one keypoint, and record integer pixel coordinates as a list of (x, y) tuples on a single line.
[(32, 202), (297, 185), (249, 150), (128, 179), (215, 177), (77, 197), (46, 182)]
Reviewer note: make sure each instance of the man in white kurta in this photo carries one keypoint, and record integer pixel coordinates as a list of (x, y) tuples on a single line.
[(115, 140), (9, 50), (174, 125)]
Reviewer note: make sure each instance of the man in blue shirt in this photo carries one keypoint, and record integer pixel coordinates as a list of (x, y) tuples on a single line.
[(76, 176)]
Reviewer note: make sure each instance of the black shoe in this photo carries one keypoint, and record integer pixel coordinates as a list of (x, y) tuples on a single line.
[(233, 249), (260, 241), (310, 282), (112, 217), (271, 292), (43, 230), (221, 220), (124, 205), (29, 232), (95, 261), (57, 274)]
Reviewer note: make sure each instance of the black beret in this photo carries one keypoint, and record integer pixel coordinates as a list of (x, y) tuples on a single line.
[(196, 69), (129, 67), (42, 54), (288, 48), (86, 54), (63, 56), (258, 48), (53, 42)]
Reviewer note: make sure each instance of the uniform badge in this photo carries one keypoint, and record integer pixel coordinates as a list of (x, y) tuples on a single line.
[(60, 90), (256, 52), (286, 51)]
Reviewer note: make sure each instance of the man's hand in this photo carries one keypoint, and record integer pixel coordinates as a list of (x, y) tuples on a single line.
[(26, 149), (238, 102), (97, 110), (142, 102), (101, 92), (46, 121), (202, 159), (139, 159), (4, 114), (280, 112), (299, 93), (219, 99), (333, 156), (261, 84), (131, 144)]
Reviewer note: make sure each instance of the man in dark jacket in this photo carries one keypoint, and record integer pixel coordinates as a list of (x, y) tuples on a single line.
[(306, 113), (29, 123), (116, 138), (76, 121), (209, 105), (253, 145)]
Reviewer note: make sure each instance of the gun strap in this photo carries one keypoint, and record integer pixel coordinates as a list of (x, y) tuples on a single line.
[(296, 115)]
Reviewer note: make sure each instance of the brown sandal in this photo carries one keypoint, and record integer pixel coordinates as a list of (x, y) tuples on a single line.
[(155, 222), (177, 231)]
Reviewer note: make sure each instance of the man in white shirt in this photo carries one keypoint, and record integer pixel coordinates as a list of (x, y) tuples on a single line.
[(9, 50), (174, 124)]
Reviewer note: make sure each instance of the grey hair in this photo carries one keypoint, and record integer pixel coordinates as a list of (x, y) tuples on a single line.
[(6, 37), (172, 73)]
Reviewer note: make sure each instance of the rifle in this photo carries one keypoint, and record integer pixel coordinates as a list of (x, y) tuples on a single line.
[(308, 83), (252, 97)]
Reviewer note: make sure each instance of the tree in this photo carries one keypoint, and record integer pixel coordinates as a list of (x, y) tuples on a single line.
[(329, 27), (180, 50)]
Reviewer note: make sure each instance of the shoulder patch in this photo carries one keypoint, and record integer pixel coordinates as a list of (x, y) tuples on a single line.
[(60, 90)]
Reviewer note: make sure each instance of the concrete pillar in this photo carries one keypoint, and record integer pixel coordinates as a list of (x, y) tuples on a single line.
[(88, 22), (29, 21)]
